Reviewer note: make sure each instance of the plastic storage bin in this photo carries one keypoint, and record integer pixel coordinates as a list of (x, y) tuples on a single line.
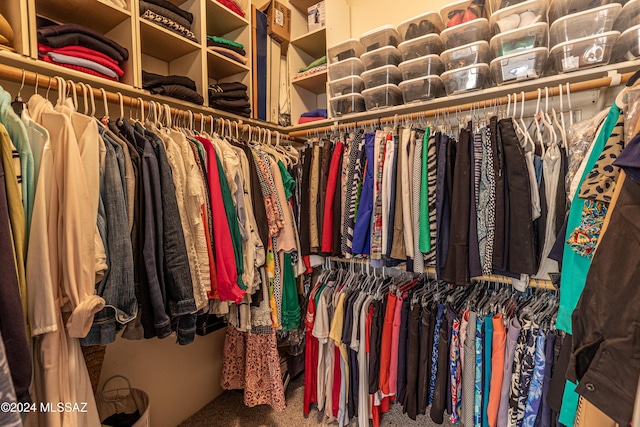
[(583, 53), (347, 104), (421, 89), (351, 48), (462, 11), (388, 74), (513, 41), (387, 55), (627, 48), (428, 23), (519, 66), (464, 56), (382, 96), (518, 16), (421, 46), (466, 33), (345, 86), (348, 67), (584, 24), (429, 65), (628, 17), (562, 8), (379, 37), (497, 5), (466, 79)]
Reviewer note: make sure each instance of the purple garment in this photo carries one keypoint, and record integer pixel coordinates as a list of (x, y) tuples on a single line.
[(510, 350), (544, 412), (64, 29), (362, 230)]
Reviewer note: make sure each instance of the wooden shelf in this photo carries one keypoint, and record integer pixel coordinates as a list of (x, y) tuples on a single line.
[(162, 43), (221, 20), (316, 83), (219, 66), (100, 15), (313, 43), (303, 5)]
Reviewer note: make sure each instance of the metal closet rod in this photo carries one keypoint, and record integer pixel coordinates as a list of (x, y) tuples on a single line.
[(17, 74), (528, 96)]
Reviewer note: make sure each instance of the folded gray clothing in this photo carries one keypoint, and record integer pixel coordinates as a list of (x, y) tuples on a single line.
[(234, 94), (173, 8), (58, 30), (150, 80), (227, 87), (79, 39), (179, 92), (227, 46), (169, 24), (144, 6)]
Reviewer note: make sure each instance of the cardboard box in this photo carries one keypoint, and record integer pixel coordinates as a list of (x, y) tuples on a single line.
[(279, 21), (316, 16)]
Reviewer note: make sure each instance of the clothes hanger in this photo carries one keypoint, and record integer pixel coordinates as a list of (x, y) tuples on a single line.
[(93, 100), (49, 87), (18, 103), (569, 103), (35, 87), (121, 102), (74, 93), (106, 105), (559, 124)]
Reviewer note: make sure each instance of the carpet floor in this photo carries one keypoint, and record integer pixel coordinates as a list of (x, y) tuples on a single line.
[(228, 410)]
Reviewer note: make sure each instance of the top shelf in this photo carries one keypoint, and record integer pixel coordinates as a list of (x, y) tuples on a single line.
[(221, 20), (303, 5), (313, 43), (103, 15)]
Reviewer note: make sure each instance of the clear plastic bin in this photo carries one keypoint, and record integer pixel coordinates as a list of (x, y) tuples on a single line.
[(348, 67), (382, 96), (561, 8), (627, 47), (584, 24), (430, 65), (519, 66), (379, 37), (388, 74), (513, 41), (351, 48), (518, 16), (421, 89), (628, 17), (497, 5), (347, 104), (428, 23), (466, 33), (345, 86), (466, 79), (421, 46), (462, 11), (387, 55), (583, 53), (464, 56)]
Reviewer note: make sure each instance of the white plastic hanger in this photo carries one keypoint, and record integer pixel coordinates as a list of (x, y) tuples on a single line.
[(121, 102), (106, 105), (74, 93), (93, 100), (569, 103), (141, 108)]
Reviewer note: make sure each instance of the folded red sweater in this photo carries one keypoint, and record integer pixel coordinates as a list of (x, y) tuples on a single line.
[(84, 53), (310, 119)]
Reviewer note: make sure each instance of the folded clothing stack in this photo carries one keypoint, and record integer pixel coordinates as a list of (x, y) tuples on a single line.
[(179, 87), (82, 49), (313, 116), (229, 48), (316, 66), (169, 16), (6, 34), (233, 6), (230, 97)]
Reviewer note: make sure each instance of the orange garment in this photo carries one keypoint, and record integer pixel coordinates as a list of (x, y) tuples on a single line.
[(385, 351), (497, 368)]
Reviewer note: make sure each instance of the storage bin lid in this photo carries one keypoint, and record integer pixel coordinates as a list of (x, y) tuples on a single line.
[(351, 48), (478, 29), (391, 69), (382, 88), (381, 36), (518, 16), (412, 82), (428, 23), (608, 37), (480, 68), (430, 39), (533, 36)]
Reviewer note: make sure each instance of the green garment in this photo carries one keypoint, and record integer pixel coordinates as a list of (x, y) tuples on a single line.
[(18, 134), (228, 42), (232, 219), (287, 180), (290, 305), (16, 213), (575, 267), (314, 64), (201, 152), (424, 242)]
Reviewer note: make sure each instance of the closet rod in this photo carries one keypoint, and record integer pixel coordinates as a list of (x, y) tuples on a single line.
[(533, 283), (528, 96), (16, 74)]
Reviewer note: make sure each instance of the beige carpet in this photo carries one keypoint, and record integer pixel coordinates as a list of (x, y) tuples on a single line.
[(228, 410)]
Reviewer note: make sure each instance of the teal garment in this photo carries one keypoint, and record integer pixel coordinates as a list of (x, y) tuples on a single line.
[(316, 63), (228, 42), (290, 305), (424, 242), (232, 219), (18, 134), (575, 267), (486, 380), (287, 180)]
